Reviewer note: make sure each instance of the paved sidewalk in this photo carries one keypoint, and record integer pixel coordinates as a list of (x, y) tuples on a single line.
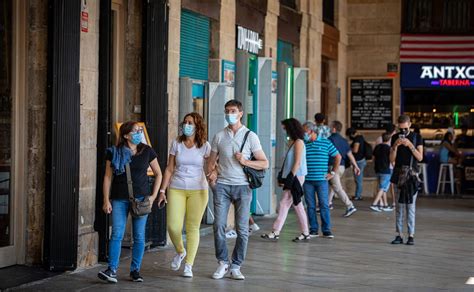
[(360, 257)]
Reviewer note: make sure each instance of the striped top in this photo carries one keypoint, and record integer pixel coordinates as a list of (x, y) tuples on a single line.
[(317, 158)]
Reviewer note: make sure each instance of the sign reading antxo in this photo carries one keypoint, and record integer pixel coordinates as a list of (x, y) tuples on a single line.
[(248, 40), (437, 75)]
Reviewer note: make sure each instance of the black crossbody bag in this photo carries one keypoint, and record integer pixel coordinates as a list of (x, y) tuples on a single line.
[(254, 176), (137, 208)]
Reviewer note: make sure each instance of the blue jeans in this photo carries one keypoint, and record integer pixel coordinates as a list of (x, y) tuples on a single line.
[(384, 181), (360, 178), (119, 221), (405, 212), (322, 190), (241, 196)]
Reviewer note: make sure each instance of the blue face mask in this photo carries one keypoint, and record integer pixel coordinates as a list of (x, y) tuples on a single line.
[(231, 118), (306, 137), (136, 138), (188, 130)]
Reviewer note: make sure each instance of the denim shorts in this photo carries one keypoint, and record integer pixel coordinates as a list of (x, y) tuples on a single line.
[(384, 181)]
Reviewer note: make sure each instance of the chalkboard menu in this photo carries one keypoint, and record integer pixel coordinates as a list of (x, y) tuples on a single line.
[(371, 103)]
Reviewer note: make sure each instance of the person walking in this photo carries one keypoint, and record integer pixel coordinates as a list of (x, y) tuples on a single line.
[(344, 150), (318, 152), (405, 153), (383, 171), (231, 186), (291, 179), (358, 149), (129, 152), (188, 189)]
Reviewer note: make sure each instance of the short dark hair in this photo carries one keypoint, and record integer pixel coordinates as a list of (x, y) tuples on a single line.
[(351, 131), (403, 119), (337, 125), (390, 128), (448, 136), (319, 118), (234, 102), (293, 128), (386, 137)]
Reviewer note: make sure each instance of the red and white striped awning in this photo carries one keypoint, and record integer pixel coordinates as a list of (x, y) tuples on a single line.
[(417, 48)]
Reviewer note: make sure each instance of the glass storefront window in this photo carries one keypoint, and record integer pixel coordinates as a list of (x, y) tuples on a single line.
[(5, 123)]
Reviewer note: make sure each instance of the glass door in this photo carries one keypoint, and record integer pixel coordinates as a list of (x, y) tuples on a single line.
[(7, 252)]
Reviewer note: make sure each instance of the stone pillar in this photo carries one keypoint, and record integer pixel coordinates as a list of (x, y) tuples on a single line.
[(173, 67), (271, 31), (341, 20), (36, 79), (89, 78), (313, 25)]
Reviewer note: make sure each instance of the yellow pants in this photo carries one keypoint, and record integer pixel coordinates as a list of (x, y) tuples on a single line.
[(192, 204)]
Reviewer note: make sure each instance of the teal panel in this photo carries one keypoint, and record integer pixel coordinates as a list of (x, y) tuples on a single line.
[(198, 91), (194, 46), (285, 52)]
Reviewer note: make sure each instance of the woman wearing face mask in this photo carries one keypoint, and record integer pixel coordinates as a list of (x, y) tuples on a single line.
[(293, 173), (129, 150), (188, 189)]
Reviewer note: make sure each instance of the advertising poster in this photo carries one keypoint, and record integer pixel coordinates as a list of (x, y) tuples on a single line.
[(228, 72)]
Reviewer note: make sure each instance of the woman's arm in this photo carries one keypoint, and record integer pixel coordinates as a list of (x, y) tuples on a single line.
[(158, 177), (168, 172), (107, 206)]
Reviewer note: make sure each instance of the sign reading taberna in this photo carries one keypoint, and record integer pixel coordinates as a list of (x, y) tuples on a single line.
[(437, 75), (248, 40)]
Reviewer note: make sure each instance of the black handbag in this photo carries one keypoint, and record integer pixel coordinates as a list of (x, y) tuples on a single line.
[(409, 179), (137, 208), (254, 176)]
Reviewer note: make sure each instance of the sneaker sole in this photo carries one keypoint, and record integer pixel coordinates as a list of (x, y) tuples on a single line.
[(187, 276), (137, 280), (329, 237), (219, 277), (238, 279), (104, 277), (350, 213)]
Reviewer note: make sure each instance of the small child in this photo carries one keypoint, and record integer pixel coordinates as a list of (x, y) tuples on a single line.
[(384, 172)]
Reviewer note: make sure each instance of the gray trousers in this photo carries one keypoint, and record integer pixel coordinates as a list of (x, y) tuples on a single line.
[(224, 196), (408, 211)]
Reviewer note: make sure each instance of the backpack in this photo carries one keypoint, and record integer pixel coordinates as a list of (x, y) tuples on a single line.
[(368, 151)]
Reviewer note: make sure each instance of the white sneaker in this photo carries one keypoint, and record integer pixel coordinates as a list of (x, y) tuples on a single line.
[(178, 258), (231, 234), (188, 271), (236, 274), (254, 227), (221, 271)]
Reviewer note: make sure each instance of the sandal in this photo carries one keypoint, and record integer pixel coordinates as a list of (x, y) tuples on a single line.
[(270, 236), (302, 237)]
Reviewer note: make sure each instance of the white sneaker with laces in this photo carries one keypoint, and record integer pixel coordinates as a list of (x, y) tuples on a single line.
[(221, 271), (254, 227), (178, 258), (236, 274), (188, 271)]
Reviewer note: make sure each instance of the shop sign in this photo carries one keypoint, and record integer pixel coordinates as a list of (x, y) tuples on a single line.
[(84, 17), (437, 75), (248, 40)]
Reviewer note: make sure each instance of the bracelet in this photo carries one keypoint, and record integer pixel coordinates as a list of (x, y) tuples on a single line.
[(412, 149), (162, 191)]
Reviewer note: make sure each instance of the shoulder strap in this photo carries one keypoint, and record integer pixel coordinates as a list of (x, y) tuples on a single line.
[(286, 155), (414, 145), (245, 140), (129, 182)]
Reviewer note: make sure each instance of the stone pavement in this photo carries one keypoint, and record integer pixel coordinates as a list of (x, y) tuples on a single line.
[(360, 258)]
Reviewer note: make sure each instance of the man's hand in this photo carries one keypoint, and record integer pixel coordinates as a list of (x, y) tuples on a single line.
[(407, 143), (240, 158), (357, 171), (329, 176), (212, 177), (107, 207)]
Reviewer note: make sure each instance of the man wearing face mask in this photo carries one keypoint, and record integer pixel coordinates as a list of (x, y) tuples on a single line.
[(406, 150), (232, 186)]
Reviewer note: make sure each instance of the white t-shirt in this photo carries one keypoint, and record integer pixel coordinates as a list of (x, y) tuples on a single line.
[(226, 144), (189, 170)]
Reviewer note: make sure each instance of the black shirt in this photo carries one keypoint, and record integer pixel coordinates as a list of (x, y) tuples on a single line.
[(138, 168), (404, 154), (382, 158), (360, 154)]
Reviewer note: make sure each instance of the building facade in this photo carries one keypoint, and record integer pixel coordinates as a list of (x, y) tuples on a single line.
[(72, 70)]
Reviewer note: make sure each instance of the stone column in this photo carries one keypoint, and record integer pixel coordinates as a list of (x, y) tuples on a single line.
[(271, 31), (173, 66), (89, 79)]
